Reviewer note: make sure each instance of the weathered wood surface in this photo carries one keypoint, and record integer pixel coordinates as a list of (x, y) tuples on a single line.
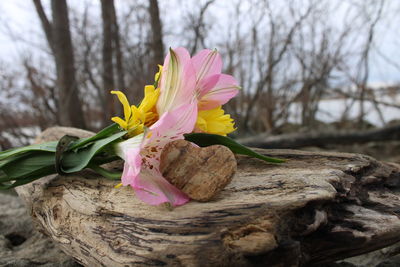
[(298, 140), (21, 245), (317, 207)]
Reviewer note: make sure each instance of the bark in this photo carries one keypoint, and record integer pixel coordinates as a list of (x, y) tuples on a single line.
[(315, 208), (59, 38), (107, 52), (157, 45), (323, 138)]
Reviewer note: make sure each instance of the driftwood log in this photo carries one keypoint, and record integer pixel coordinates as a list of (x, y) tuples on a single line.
[(316, 208), (321, 139)]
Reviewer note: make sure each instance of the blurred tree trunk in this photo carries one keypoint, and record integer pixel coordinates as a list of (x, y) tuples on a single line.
[(59, 39), (117, 48), (71, 113), (107, 7), (157, 45)]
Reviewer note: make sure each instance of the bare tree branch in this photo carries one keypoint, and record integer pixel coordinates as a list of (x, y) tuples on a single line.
[(46, 24)]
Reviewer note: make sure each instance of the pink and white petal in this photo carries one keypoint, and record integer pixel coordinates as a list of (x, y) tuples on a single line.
[(207, 62), (149, 185), (173, 124), (207, 84), (121, 148), (129, 175), (178, 81), (129, 150), (152, 188), (134, 163), (182, 55), (225, 89)]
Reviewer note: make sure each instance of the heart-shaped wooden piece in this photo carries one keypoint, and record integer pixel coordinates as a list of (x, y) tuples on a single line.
[(201, 173)]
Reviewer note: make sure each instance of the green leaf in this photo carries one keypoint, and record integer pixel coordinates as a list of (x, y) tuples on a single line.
[(62, 146), (27, 164), (30, 168), (51, 146), (5, 186), (110, 130), (26, 170), (23, 165), (14, 157), (76, 161), (203, 139), (45, 171), (47, 147)]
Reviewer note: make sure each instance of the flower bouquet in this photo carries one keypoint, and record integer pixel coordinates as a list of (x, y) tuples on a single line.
[(185, 102)]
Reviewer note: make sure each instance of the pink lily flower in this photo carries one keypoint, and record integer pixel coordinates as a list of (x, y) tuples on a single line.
[(186, 85), (212, 87), (142, 157), (203, 71), (178, 81), (177, 109)]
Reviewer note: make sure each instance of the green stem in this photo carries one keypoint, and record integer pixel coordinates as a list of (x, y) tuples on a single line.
[(105, 173), (103, 160)]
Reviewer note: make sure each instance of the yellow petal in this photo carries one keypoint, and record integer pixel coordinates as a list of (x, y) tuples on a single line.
[(150, 98), (215, 121), (148, 89), (120, 122), (158, 74), (215, 127), (138, 115), (138, 129), (122, 98), (118, 186), (201, 124)]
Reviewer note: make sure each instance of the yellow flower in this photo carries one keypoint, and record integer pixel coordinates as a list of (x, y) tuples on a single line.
[(135, 118), (215, 121), (148, 104), (158, 75)]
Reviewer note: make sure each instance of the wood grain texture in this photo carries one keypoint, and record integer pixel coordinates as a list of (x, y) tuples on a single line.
[(199, 172), (317, 207)]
